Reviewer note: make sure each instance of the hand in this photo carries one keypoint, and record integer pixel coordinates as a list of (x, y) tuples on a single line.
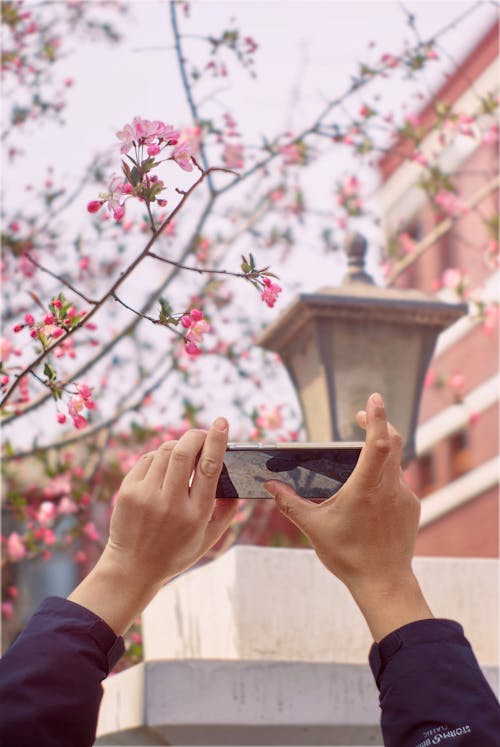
[(160, 526), (365, 534)]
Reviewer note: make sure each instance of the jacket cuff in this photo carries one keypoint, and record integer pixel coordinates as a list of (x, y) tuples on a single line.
[(82, 619), (415, 633)]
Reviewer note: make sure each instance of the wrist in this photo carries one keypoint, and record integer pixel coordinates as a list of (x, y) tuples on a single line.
[(390, 603), (114, 593)]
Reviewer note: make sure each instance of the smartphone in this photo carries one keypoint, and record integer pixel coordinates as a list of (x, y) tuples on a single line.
[(313, 470)]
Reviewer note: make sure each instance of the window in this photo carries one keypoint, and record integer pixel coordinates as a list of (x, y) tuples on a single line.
[(460, 456)]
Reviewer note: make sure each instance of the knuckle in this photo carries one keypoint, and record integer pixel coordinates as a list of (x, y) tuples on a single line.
[(209, 467), (168, 446), (397, 440), (382, 445), (180, 455)]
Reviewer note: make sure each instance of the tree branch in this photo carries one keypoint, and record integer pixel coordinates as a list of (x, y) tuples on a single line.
[(439, 231)]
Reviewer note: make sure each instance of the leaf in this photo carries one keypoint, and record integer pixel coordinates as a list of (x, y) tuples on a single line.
[(135, 176), (49, 372), (9, 449), (148, 164)]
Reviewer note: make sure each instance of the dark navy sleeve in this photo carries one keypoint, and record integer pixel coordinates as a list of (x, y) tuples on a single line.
[(50, 678), (432, 690)]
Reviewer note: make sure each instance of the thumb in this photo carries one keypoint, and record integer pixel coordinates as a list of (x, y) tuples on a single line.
[(291, 505)]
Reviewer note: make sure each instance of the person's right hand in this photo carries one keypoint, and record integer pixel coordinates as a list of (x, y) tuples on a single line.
[(365, 534)]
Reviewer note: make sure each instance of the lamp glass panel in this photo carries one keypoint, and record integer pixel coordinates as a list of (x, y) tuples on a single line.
[(372, 356)]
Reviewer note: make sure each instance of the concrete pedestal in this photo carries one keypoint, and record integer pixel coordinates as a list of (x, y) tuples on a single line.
[(265, 647)]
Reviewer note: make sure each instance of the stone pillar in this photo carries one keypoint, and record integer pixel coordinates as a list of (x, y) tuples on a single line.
[(264, 646)]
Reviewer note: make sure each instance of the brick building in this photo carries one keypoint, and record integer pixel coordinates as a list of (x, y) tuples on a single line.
[(457, 470)]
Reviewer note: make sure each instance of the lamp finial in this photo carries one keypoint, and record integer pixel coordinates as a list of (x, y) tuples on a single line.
[(355, 249)]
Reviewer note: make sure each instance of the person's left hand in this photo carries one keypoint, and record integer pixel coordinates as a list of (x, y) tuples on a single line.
[(166, 517)]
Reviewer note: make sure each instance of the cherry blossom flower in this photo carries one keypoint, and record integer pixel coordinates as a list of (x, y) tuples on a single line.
[(66, 506), (233, 156), (450, 203), (16, 549), (46, 514), (269, 418), (90, 531), (7, 349), (145, 132), (270, 292), (182, 156)]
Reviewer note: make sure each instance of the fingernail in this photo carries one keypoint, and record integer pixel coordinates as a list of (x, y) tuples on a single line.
[(377, 399), (271, 488), (220, 424)]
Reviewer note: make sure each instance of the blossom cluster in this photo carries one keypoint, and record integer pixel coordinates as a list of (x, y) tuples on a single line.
[(196, 327), (61, 317), (270, 292), (76, 405), (148, 139)]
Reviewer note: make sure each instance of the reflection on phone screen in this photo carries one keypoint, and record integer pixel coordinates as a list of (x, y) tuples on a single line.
[(314, 473)]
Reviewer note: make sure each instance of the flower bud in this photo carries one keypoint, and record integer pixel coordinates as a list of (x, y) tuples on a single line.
[(94, 206)]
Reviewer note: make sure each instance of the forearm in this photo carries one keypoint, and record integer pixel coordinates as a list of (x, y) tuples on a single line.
[(432, 689), (50, 678)]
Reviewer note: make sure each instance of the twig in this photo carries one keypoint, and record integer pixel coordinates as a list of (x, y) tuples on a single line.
[(187, 87), (116, 284), (61, 279)]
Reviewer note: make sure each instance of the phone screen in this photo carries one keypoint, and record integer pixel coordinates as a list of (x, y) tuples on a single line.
[(312, 473)]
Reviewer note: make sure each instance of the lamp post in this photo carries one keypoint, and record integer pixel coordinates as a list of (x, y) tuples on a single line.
[(341, 344)]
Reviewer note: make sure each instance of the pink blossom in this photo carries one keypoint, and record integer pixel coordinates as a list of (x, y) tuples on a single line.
[(94, 206), (46, 513), (491, 317), (389, 59), (84, 390), (80, 422), (292, 153), (7, 349), (61, 417), (269, 418), (90, 531), (270, 292), (192, 137), (49, 537), (490, 137), (7, 610), (16, 549), (144, 132), (153, 149), (430, 379), (13, 592), (450, 203), (232, 156), (29, 319), (192, 349), (197, 330), (182, 156), (80, 556), (407, 243), (456, 382)]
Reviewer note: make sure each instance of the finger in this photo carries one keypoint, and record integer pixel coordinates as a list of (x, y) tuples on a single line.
[(291, 505), (140, 468), (158, 466), (209, 467), (377, 447), (361, 419), (396, 453), (181, 464), (223, 514)]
